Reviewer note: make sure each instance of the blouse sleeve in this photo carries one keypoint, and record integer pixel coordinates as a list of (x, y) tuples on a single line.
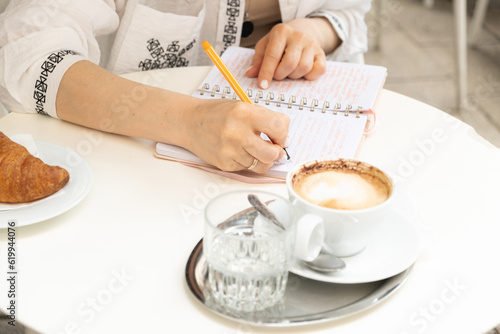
[(347, 17), (39, 42)]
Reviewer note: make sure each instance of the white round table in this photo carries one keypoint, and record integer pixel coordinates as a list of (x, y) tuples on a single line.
[(115, 262)]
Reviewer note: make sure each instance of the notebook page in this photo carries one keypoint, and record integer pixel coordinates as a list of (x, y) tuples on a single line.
[(316, 136), (344, 83)]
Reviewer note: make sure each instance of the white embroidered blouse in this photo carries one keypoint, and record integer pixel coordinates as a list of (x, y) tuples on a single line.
[(40, 40)]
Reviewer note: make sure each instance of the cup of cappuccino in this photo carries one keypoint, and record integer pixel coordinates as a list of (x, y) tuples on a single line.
[(350, 198)]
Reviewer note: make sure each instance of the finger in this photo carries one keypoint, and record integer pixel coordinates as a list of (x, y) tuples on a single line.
[(304, 65), (319, 67), (289, 62), (253, 164), (272, 57), (232, 159), (258, 155), (253, 71), (263, 150), (260, 48), (261, 167), (247, 160), (257, 166), (274, 124)]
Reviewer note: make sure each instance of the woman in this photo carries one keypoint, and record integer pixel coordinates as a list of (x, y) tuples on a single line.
[(64, 58)]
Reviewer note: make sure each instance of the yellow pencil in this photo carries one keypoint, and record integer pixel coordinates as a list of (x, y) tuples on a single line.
[(225, 72), (229, 76)]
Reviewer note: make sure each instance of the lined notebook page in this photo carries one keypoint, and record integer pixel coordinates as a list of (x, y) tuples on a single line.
[(344, 83), (315, 136)]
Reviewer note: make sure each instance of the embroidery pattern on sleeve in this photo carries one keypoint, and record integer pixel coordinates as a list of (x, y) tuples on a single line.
[(48, 66), (231, 29), (330, 15), (161, 58)]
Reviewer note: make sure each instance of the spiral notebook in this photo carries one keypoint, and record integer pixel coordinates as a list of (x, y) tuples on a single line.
[(328, 116)]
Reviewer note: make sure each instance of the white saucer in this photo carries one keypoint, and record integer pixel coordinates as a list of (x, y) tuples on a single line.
[(71, 194), (394, 251)]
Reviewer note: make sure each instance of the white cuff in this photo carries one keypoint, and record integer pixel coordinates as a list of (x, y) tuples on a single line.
[(338, 25), (47, 76)]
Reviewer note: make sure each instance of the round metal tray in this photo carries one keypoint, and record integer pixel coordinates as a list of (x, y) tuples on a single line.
[(306, 301)]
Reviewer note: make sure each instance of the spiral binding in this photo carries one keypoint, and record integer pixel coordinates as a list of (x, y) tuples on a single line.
[(281, 99)]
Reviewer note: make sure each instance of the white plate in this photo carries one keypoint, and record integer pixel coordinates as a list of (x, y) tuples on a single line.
[(71, 194), (395, 251)]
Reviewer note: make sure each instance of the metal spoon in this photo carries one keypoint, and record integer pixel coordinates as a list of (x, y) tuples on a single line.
[(326, 263), (264, 210)]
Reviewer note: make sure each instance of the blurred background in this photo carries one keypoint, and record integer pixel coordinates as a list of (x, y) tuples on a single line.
[(417, 44)]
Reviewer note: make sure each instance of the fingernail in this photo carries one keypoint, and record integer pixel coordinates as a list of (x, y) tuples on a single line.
[(264, 84), (287, 141), (248, 69)]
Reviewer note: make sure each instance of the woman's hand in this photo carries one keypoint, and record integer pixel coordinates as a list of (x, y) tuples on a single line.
[(226, 134), (295, 49)]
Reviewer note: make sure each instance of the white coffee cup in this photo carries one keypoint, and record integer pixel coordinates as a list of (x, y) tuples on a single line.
[(349, 198)]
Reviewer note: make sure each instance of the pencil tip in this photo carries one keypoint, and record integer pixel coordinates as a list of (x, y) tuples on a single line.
[(287, 155)]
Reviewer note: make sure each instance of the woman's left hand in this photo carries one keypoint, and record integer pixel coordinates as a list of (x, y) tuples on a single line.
[(295, 49)]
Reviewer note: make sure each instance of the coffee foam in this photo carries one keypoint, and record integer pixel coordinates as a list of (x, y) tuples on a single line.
[(344, 187)]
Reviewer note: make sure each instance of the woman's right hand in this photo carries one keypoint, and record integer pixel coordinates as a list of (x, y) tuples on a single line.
[(226, 134)]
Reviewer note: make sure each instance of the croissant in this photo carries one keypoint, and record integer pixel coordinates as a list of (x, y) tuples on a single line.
[(25, 178)]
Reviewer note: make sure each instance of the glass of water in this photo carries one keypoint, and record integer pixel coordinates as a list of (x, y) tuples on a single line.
[(248, 249)]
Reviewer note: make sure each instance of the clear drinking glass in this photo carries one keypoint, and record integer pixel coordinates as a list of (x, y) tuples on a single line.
[(248, 254)]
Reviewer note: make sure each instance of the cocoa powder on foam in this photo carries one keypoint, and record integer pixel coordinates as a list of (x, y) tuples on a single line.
[(342, 184)]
